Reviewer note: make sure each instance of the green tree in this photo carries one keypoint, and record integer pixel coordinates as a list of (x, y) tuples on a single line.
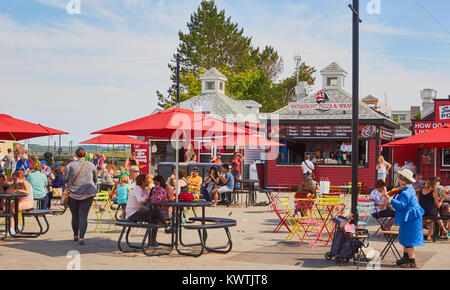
[(213, 40)]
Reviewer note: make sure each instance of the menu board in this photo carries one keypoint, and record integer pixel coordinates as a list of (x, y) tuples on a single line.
[(387, 133), (302, 131), (142, 156), (320, 131)]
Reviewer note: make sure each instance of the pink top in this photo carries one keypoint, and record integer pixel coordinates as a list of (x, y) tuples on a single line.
[(136, 200)]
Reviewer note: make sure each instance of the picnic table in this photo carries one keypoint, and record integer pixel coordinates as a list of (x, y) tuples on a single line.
[(251, 190), (177, 229), (7, 198)]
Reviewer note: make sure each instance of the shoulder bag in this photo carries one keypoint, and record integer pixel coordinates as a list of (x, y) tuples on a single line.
[(65, 197)]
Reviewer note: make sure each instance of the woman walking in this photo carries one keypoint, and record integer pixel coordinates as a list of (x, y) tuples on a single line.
[(81, 176)]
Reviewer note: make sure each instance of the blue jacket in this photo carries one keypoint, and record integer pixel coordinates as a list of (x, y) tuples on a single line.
[(407, 206), (59, 182)]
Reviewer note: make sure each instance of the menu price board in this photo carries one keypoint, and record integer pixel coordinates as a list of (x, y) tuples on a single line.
[(387, 134), (320, 131), (142, 156)]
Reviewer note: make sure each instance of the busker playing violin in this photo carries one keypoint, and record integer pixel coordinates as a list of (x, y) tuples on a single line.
[(408, 214)]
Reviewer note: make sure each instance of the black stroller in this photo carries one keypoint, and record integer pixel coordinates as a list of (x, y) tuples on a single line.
[(347, 246)]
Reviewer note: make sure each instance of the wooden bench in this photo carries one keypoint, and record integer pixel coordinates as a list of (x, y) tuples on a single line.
[(36, 213), (128, 225), (213, 223)]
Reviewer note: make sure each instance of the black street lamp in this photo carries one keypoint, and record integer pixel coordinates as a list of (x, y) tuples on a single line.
[(355, 107)]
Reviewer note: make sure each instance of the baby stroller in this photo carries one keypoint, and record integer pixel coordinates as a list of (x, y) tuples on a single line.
[(347, 246)]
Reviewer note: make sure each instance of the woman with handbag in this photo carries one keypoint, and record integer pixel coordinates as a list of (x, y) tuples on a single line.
[(82, 178)]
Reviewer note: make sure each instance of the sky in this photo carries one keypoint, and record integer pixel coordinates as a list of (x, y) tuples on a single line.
[(82, 72)]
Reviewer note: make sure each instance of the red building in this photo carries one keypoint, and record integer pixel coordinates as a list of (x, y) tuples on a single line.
[(320, 125), (428, 158)]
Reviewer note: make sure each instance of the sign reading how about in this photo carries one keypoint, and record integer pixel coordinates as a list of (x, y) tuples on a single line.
[(424, 126)]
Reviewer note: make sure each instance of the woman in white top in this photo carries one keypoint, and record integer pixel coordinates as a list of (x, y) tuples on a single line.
[(383, 168), (20, 185), (138, 196), (381, 208)]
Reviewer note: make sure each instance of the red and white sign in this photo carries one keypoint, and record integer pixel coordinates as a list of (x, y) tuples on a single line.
[(442, 111), (424, 126), (142, 156), (322, 106)]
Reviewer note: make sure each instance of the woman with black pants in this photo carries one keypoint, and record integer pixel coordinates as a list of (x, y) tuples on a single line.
[(82, 175)]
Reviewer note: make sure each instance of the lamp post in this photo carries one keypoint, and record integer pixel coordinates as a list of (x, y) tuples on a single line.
[(355, 107)]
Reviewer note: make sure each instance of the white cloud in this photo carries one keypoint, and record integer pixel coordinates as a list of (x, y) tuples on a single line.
[(80, 77)]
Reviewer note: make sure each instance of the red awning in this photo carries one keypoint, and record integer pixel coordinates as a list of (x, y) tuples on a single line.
[(435, 138), (164, 124), (114, 139), (244, 141), (16, 129)]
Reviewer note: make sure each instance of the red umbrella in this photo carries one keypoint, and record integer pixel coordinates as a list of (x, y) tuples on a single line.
[(435, 138), (173, 123), (16, 129), (165, 123), (244, 141), (114, 139)]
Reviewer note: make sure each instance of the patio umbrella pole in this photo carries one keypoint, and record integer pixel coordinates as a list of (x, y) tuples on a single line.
[(435, 160), (176, 167)]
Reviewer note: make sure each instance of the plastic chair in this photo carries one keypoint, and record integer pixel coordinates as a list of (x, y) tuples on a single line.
[(365, 208)]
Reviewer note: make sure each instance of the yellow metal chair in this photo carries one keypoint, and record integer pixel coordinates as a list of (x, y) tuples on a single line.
[(102, 205), (291, 219)]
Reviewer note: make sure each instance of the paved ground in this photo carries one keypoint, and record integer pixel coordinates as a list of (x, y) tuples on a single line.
[(255, 247)]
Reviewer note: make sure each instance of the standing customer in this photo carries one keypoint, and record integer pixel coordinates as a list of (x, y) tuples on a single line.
[(308, 166), (408, 213), (383, 168), (48, 157), (82, 192), (9, 161)]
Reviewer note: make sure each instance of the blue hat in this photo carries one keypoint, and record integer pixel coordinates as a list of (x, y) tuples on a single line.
[(57, 164), (43, 162)]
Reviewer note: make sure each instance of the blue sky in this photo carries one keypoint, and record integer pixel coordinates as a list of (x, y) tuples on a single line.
[(81, 73)]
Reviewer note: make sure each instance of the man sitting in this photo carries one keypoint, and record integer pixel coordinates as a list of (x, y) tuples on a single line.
[(227, 179)]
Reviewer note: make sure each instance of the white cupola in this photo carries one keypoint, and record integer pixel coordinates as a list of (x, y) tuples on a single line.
[(213, 81), (333, 77)]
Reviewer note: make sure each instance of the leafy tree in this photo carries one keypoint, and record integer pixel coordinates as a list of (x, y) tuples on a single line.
[(213, 40)]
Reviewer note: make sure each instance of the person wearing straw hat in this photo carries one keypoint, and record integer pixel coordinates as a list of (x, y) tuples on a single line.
[(408, 214)]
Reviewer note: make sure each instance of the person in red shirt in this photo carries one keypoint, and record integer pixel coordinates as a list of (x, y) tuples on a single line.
[(218, 159), (238, 159)]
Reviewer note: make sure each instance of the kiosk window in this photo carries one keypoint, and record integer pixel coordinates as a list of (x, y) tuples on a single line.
[(337, 152), (446, 157)]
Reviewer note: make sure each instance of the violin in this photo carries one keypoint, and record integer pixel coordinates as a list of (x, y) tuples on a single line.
[(394, 192)]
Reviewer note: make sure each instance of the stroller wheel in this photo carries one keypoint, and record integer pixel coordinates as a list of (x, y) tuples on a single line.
[(328, 256), (339, 260)]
